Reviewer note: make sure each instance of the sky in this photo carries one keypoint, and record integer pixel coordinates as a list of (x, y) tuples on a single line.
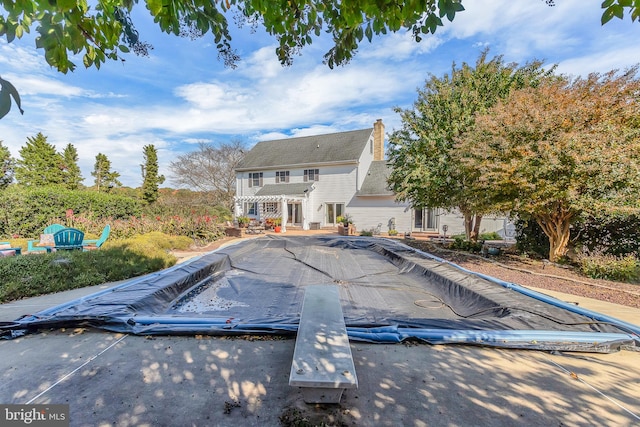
[(182, 94)]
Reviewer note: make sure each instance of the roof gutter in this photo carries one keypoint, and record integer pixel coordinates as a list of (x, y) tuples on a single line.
[(298, 165)]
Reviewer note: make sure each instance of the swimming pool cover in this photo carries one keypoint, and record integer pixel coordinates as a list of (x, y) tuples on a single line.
[(389, 292)]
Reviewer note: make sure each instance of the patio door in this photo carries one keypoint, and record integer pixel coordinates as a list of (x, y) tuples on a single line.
[(334, 210), (294, 213), (425, 220)]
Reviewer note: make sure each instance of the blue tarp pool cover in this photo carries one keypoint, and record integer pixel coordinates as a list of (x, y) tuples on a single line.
[(389, 292)]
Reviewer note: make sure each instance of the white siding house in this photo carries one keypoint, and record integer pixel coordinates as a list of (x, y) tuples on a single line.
[(313, 180)]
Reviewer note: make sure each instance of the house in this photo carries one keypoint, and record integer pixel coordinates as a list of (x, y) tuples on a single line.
[(311, 181)]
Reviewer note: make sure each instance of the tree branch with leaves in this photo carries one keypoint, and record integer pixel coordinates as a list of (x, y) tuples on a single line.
[(426, 169), (104, 30), (560, 150)]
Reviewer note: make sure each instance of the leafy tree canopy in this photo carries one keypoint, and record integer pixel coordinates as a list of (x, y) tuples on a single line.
[(104, 30), (151, 178), (105, 178), (560, 150), (426, 169), (7, 165), (39, 163), (72, 174)]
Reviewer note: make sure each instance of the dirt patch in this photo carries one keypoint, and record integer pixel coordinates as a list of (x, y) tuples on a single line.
[(538, 274)]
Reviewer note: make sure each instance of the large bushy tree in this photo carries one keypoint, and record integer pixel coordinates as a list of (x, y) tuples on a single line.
[(151, 178), (426, 170), (559, 150), (210, 169), (72, 174), (39, 163), (7, 164), (105, 178), (104, 30)]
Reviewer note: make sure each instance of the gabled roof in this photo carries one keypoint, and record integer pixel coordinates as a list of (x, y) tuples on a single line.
[(308, 150), (375, 183), (294, 189)]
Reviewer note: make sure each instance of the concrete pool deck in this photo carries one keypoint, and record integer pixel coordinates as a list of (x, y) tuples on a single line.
[(125, 380)]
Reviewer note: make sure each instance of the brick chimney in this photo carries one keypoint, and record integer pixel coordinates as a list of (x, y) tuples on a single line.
[(378, 140)]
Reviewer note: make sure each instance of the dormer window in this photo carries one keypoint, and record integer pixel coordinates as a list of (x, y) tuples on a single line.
[(282, 176), (255, 179)]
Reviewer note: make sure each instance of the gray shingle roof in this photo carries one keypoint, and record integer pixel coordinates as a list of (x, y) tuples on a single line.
[(295, 189), (375, 183), (308, 150)]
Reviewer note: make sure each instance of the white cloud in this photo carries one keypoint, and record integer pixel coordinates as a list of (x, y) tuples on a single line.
[(399, 46), (181, 95), (17, 58)]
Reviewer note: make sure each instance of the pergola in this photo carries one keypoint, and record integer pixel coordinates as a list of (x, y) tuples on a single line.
[(282, 201)]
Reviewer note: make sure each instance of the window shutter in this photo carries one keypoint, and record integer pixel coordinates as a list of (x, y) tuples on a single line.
[(250, 180), (317, 177), (306, 175), (260, 179)]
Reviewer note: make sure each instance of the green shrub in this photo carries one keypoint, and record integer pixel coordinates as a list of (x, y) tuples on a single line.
[(490, 236), (625, 268), (530, 239), (366, 233), (185, 202), (609, 233), (461, 244), (30, 275), (27, 210)]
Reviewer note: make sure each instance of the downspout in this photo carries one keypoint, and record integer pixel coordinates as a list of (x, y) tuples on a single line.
[(305, 204), (283, 205)]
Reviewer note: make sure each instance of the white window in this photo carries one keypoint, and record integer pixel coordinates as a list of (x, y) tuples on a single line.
[(282, 176), (311, 175), (255, 179), (271, 207)]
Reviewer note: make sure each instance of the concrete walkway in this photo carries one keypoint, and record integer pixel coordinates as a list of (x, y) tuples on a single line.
[(113, 379)]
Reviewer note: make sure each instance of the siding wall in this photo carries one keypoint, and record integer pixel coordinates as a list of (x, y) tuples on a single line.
[(368, 212), (455, 223), (336, 184), (364, 163)]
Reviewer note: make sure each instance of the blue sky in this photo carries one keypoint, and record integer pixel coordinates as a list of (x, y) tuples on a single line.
[(181, 94)]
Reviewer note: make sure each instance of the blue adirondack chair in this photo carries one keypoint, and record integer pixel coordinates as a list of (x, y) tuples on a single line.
[(7, 249), (32, 245), (89, 244), (68, 239)]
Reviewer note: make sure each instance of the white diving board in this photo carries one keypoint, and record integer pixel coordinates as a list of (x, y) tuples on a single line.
[(322, 361)]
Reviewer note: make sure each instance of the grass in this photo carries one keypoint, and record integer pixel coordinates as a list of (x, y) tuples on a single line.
[(31, 275)]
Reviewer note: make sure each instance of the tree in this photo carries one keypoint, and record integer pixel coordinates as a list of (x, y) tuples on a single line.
[(7, 165), (68, 28), (560, 150), (39, 163), (105, 179), (426, 169), (72, 175), (210, 169), (151, 179)]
